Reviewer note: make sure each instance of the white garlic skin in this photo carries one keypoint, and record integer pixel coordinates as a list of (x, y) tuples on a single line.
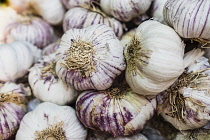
[(160, 59), (74, 3), (11, 112), (125, 10), (32, 104), (79, 18), (19, 5), (157, 10), (189, 19), (47, 114), (126, 38), (107, 57), (31, 29), (51, 48), (16, 58), (47, 86), (51, 11)]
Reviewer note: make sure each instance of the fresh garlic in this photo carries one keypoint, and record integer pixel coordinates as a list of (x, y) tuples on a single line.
[(32, 104), (138, 136), (157, 10), (12, 108), (51, 10), (80, 17), (154, 58), (125, 10), (189, 19), (117, 111), (19, 5), (127, 37), (90, 58), (51, 48), (74, 3), (16, 58), (49, 121), (186, 103), (46, 85), (31, 29)]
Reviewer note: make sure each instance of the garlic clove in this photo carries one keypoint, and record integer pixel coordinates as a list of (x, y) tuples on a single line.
[(46, 85), (51, 121), (149, 58), (117, 111), (16, 59), (90, 58)]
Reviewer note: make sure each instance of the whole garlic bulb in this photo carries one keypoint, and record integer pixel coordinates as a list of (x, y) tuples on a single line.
[(19, 5), (125, 10), (31, 29), (12, 108), (51, 11), (186, 103), (49, 121), (117, 111), (189, 19), (80, 17), (74, 3), (46, 85), (51, 48), (16, 58), (157, 10), (90, 58), (154, 58)]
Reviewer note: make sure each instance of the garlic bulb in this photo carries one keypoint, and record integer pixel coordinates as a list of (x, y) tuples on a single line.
[(51, 11), (12, 108), (90, 58), (157, 10), (154, 58), (31, 29), (19, 5), (45, 84), (189, 19), (49, 121), (74, 3), (125, 10), (32, 104), (186, 103), (127, 37), (16, 58), (80, 17), (117, 111), (51, 48)]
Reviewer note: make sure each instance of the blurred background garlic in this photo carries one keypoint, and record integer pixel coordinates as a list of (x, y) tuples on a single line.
[(138, 136), (186, 103), (12, 108), (154, 58), (74, 3), (90, 58), (127, 37), (31, 29), (157, 10), (81, 17), (189, 19), (49, 121), (125, 10), (16, 58), (117, 111), (32, 104), (46, 85), (19, 5)]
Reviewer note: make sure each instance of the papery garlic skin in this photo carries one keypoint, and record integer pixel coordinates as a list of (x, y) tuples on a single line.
[(80, 17), (74, 3), (195, 98), (157, 10), (19, 5), (90, 58), (117, 111), (125, 10), (127, 37), (51, 48), (32, 104), (46, 85), (189, 19), (61, 119), (31, 29), (51, 11), (154, 58), (16, 58), (12, 108)]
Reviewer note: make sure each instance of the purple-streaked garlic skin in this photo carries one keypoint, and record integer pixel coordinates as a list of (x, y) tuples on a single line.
[(74, 3), (46, 85), (51, 48), (106, 57), (13, 110), (118, 115), (79, 18), (31, 29)]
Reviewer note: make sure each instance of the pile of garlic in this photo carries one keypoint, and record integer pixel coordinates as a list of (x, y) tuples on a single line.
[(103, 69)]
